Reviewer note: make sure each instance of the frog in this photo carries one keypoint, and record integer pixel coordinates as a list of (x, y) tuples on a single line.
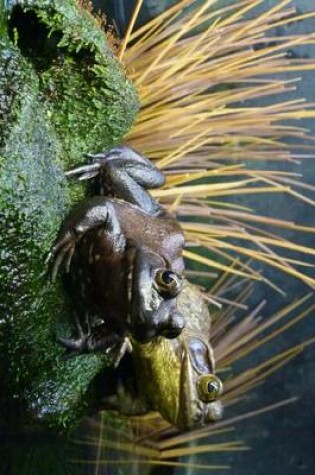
[(175, 377), (121, 255)]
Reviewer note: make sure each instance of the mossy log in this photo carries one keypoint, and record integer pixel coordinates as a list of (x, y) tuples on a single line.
[(62, 93)]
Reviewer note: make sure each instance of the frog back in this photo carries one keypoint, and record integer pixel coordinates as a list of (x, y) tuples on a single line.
[(161, 232), (98, 275)]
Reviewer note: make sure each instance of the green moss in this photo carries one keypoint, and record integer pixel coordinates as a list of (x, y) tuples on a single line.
[(61, 94), (34, 197), (2, 19), (90, 102), (12, 81)]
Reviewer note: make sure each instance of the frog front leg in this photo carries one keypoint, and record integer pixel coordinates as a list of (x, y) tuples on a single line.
[(98, 339), (124, 173), (77, 343), (95, 212)]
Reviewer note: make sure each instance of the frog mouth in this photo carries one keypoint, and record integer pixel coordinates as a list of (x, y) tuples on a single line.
[(214, 411), (192, 411)]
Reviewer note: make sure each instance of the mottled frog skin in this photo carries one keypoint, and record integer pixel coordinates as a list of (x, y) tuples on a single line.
[(174, 377), (122, 257)]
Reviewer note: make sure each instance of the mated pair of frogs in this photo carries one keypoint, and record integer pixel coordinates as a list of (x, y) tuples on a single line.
[(122, 256)]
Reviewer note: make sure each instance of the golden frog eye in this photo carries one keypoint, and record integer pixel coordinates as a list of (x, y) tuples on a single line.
[(209, 387), (168, 282)]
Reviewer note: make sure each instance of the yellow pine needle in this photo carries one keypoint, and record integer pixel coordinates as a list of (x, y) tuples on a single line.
[(129, 29), (200, 433), (189, 146), (240, 13), (277, 317), (212, 232), (176, 36), (244, 382), (149, 40), (258, 344), (292, 192), (160, 20), (197, 124), (210, 263), (217, 172), (175, 203), (261, 18), (257, 190), (230, 206), (245, 341), (200, 449), (296, 18), (206, 229), (220, 282), (136, 449), (251, 273), (99, 446), (262, 219), (207, 190), (170, 443), (199, 39), (157, 463), (256, 373), (218, 300)]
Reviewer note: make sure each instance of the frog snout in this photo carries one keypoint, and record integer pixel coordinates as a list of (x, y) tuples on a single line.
[(173, 327), (170, 328), (214, 411)]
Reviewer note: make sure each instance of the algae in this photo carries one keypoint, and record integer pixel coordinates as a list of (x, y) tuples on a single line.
[(62, 93)]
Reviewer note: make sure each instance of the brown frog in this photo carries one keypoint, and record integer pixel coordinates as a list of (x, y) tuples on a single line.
[(174, 377), (122, 255)]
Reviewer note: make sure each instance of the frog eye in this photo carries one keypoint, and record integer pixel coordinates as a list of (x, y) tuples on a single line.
[(168, 282), (209, 387)]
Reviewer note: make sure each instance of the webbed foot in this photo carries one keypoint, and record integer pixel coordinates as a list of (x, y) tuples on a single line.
[(73, 346), (119, 351), (85, 216), (98, 340), (125, 174), (62, 251), (76, 345)]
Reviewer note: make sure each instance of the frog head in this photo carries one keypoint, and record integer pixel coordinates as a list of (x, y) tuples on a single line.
[(152, 295), (176, 378), (198, 386)]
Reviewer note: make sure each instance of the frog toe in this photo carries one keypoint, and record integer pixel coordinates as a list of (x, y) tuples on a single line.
[(69, 259), (120, 350), (64, 255), (86, 172), (72, 345)]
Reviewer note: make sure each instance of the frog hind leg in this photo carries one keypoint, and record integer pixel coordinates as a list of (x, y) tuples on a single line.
[(93, 213), (124, 173)]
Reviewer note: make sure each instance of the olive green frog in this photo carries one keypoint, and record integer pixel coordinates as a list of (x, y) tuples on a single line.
[(174, 377)]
